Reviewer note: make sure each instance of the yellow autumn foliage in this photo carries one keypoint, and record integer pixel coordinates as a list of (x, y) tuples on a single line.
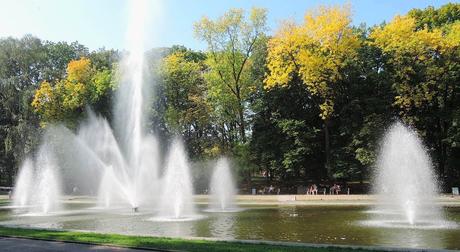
[(43, 98), (416, 54), (400, 35), (79, 70), (316, 51), (82, 85)]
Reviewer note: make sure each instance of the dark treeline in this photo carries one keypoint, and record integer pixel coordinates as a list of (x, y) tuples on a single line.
[(307, 103)]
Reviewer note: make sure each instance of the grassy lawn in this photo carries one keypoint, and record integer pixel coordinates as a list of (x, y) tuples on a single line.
[(153, 242)]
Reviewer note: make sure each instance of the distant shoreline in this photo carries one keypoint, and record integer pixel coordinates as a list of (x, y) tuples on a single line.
[(289, 199), (302, 199)]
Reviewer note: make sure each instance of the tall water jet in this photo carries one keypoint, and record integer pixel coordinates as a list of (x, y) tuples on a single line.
[(121, 164), (222, 188), (404, 181), (130, 95), (176, 201), (134, 173)]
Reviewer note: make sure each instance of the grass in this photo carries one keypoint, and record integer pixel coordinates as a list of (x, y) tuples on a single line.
[(155, 242)]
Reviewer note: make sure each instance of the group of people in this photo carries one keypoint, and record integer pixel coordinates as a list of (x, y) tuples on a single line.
[(335, 189), (270, 190), (313, 189)]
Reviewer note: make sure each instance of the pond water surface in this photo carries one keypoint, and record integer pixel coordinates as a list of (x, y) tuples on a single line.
[(311, 224)]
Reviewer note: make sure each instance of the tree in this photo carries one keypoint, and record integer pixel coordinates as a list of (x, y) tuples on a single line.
[(316, 51), (431, 17), (424, 63), (363, 111), (188, 111), (24, 63), (231, 41), (67, 98)]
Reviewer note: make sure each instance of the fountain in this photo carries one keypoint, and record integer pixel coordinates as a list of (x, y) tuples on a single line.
[(37, 189), (124, 163), (121, 181), (120, 165), (176, 202), (135, 171), (405, 183), (22, 188), (222, 188)]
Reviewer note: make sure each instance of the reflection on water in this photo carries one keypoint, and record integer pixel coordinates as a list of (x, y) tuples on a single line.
[(312, 224), (412, 238), (222, 226)]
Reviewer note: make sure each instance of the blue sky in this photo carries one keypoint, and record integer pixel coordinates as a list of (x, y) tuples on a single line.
[(102, 23)]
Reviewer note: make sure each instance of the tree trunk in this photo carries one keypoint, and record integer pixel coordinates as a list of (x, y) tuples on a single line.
[(242, 123), (327, 149), (443, 170)]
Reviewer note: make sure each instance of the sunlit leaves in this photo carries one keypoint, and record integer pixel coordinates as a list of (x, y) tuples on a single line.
[(82, 86), (102, 83), (45, 100), (231, 39), (184, 90), (283, 55), (432, 17), (419, 59), (79, 70), (316, 50)]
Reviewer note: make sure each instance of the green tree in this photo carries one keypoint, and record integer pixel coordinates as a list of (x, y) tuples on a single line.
[(24, 63), (188, 111), (231, 40)]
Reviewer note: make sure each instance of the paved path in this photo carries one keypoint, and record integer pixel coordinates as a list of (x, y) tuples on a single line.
[(27, 245)]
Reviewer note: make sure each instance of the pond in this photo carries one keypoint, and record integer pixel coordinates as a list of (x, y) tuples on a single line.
[(310, 224)]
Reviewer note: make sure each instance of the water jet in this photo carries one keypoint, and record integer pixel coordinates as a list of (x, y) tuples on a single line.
[(222, 188), (405, 182)]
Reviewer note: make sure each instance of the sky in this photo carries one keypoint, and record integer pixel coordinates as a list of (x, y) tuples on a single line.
[(102, 23)]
